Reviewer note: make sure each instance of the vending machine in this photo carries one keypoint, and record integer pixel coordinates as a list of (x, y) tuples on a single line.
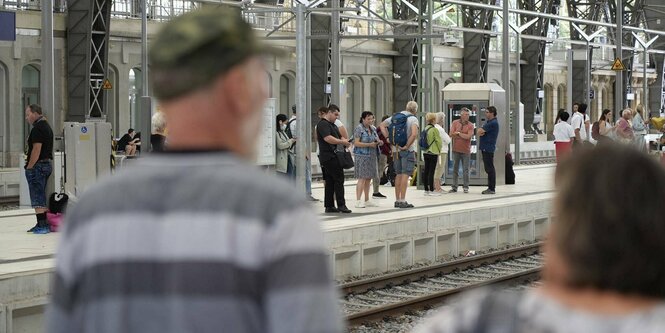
[(476, 97)]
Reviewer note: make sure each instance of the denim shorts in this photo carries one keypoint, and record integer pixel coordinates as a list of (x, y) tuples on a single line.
[(405, 162), (37, 178)]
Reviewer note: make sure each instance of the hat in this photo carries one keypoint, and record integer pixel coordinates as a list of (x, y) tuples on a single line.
[(195, 48)]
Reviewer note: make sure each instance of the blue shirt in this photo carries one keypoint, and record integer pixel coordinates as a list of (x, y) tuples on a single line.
[(488, 141)]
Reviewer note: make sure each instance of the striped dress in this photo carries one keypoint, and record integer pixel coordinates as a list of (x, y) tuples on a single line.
[(192, 242)]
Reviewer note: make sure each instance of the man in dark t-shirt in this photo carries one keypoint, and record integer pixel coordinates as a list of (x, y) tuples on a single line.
[(128, 143), (328, 137), (38, 166)]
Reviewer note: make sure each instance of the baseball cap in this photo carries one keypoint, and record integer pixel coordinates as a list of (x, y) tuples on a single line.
[(195, 48)]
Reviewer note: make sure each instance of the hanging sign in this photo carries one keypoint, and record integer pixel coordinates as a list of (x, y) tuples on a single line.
[(618, 65)]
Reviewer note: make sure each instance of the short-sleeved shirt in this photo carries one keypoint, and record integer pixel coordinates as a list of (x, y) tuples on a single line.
[(366, 136), (410, 121), (578, 123), (563, 132), (461, 145), (41, 133), (488, 141), (323, 129), (124, 141)]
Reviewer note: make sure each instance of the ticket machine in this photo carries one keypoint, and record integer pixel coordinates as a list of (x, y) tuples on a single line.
[(476, 97)]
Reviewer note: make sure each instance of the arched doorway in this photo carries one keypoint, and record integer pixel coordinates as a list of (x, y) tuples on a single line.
[(30, 87), (376, 101), (562, 97), (287, 93), (111, 97), (353, 94), (135, 91), (548, 109)]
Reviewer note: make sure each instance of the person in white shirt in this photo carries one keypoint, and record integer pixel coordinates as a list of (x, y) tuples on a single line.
[(580, 123), (563, 136)]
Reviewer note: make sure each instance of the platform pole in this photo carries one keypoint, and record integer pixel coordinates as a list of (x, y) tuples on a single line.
[(301, 92), (47, 91)]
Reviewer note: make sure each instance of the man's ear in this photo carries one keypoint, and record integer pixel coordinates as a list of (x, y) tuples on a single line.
[(232, 86)]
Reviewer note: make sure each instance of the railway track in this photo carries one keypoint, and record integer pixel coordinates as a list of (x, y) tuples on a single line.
[(398, 293)]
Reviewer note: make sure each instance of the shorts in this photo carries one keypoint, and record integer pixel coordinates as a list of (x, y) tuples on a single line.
[(37, 178), (405, 162)]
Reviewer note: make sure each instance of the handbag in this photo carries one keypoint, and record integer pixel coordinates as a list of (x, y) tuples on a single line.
[(344, 157)]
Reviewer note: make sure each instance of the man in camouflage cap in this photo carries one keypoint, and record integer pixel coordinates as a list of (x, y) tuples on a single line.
[(197, 239)]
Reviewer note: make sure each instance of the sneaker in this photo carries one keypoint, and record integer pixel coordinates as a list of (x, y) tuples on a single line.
[(488, 192), (33, 228), (360, 204), (427, 193), (369, 203), (406, 205), (311, 198), (397, 204), (332, 210), (41, 230), (452, 190), (466, 190), (378, 195), (435, 194), (343, 209)]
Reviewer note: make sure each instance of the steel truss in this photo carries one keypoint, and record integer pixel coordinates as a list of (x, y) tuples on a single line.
[(88, 27), (654, 18), (476, 45), (533, 52)]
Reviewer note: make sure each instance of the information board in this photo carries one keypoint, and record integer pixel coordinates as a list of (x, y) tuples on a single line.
[(266, 143), (7, 26)]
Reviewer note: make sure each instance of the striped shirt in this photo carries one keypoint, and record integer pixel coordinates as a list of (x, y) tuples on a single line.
[(192, 242)]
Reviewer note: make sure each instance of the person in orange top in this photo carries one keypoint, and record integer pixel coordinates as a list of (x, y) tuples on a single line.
[(461, 131)]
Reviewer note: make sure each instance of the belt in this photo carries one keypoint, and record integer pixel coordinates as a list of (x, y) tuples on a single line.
[(44, 161)]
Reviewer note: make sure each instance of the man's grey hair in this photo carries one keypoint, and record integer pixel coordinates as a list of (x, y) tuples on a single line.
[(412, 106), (440, 118), (158, 122), (465, 109)]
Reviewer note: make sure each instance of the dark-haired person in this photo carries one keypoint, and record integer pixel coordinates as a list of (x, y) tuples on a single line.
[(563, 136), (329, 140), (580, 123), (127, 143), (488, 136), (605, 127), (38, 166), (283, 143), (384, 152), (366, 142), (604, 268)]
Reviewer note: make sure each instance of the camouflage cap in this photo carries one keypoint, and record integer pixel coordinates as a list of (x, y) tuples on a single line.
[(193, 49)]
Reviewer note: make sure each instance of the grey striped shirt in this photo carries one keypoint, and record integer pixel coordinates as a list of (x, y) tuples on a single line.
[(193, 242)]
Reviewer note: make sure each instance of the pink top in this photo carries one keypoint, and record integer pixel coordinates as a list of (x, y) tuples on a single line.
[(624, 129), (461, 145)]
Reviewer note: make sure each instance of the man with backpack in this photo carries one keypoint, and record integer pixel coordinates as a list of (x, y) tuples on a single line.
[(402, 133)]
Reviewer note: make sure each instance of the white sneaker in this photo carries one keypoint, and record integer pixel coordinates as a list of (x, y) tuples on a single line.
[(370, 204), (360, 204), (435, 194), (427, 193)]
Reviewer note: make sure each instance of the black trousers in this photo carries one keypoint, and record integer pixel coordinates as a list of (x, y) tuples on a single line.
[(334, 189), (430, 167), (488, 161)]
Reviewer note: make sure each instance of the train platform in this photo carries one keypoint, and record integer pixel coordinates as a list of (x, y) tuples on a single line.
[(375, 240), (368, 241)]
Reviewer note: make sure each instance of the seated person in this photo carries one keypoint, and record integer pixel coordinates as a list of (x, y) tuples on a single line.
[(128, 142)]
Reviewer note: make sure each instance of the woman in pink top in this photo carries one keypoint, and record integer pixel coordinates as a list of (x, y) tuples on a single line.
[(624, 129)]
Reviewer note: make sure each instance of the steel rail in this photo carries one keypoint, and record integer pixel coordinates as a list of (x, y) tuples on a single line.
[(437, 270), (434, 299)]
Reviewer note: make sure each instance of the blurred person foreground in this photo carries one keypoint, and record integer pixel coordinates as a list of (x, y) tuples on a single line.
[(604, 268), (197, 239)]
